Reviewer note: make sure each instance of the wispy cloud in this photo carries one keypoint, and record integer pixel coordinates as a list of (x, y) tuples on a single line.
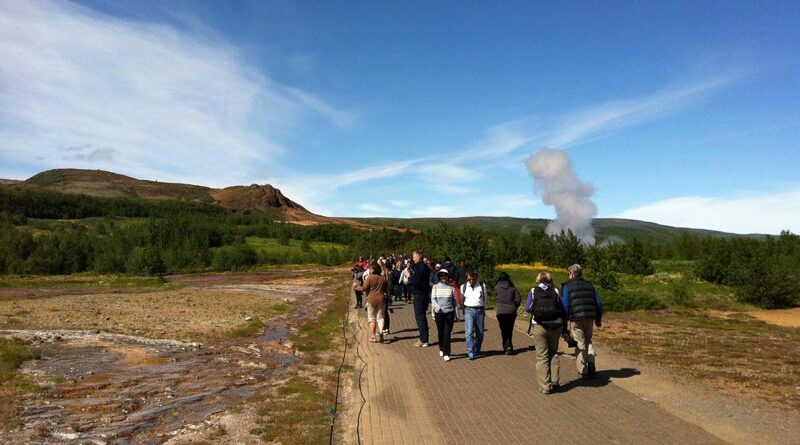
[(460, 171), (156, 101), (753, 213), (591, 121), (371, 210)]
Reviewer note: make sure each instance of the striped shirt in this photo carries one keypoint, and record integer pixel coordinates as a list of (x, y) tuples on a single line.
[(443, 298)]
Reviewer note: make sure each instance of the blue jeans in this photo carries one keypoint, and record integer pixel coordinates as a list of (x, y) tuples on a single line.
[(473, 329)]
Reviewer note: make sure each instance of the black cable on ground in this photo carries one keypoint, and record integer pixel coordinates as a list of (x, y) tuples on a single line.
[(339, 371), (360, 374)]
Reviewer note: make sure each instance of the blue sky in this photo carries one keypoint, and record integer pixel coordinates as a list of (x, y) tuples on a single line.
[(682, 113)]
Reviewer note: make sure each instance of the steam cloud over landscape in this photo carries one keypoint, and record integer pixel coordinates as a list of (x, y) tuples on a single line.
[(559, 186)]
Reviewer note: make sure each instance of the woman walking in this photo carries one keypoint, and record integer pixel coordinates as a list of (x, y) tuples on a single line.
[(443, 306), (375, 287), (550, 322), (508, 301)]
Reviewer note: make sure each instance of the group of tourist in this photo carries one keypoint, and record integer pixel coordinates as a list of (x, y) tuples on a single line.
[(446, 290)]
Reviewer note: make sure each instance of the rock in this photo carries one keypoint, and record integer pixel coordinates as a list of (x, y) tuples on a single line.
[(248, 318)]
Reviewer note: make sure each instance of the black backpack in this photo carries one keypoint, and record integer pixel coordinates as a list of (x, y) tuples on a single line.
[(545, 306)]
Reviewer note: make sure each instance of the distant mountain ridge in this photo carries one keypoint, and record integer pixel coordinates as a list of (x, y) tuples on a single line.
[(241, 199), (269, 200)]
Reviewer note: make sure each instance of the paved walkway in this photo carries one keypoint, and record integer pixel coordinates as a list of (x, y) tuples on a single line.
[(415, 398)]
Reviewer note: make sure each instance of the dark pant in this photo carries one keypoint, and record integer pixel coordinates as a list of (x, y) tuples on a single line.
[(421, 314), (359, 303), (398, 291), (506, 322), (444, 327), (386, 319)]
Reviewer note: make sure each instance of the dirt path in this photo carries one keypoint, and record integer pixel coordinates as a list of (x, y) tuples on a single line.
[(414, 397)]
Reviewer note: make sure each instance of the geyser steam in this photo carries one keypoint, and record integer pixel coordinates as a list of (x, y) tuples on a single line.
[(559, 186)]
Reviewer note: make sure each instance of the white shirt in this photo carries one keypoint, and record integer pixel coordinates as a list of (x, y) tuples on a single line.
[(474, 296)]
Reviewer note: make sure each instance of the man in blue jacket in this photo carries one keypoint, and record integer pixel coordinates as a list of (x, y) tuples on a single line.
[(420, 289), (584, 308)]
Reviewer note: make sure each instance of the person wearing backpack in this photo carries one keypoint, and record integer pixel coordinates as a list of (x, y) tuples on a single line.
[(508, 300), (549, 324), (583, 307), (474, 296)]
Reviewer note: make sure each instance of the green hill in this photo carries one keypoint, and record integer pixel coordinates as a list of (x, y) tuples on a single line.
[(607, 229)]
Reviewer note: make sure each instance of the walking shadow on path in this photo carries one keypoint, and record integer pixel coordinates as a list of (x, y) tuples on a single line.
[(601, 378)]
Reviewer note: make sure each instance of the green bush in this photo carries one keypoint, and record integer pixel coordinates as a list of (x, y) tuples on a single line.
[(236, 257), (145, 261), (680, 292), (630, 301)]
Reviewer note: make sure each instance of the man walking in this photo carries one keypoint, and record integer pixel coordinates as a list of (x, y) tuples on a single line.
[(420, 289), (584, 308), (474, 296)]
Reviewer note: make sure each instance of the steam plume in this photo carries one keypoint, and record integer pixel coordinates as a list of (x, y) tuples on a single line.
[(559, 186)]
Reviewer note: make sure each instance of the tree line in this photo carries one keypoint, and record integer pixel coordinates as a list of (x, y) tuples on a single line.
[(45, 232)]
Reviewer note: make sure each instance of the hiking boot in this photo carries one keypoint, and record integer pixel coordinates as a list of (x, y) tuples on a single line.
[(546, 391), (592, 369)]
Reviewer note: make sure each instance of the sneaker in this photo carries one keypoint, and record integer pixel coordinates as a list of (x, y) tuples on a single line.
[(447, 358), (380, 338), (470, 356), (424, 345), (418, 343), (546, 391), (441, 353)]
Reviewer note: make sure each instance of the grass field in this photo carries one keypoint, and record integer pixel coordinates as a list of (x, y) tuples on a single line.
[(77, 281), (673, 285), (271, 251)]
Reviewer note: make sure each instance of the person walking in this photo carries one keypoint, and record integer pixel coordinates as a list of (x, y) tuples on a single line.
[(375, 287), (358, 278), (474, 296), (404, 276), (443, 307), (583, 306), (394, 278), (418, 282), (549, 323), (508, 301)]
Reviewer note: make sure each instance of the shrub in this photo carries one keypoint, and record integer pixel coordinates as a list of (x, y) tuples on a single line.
[(680, 292), (236, 257), (630, 301), (145, 261)]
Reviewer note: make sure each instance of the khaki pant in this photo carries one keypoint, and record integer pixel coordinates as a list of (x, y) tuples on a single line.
[(581, 331), (547, 366), (375, 313)]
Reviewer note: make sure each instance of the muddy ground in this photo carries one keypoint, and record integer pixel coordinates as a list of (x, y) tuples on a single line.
[(156, 366)]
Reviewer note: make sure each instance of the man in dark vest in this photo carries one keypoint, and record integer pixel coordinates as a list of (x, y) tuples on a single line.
[(584, 309)]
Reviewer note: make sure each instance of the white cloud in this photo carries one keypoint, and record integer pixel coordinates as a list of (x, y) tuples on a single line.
[(434, 211), (399, 203), (763, 213), (591, 121), (167, 104)]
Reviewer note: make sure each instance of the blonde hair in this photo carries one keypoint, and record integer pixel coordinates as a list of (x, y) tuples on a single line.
[(544, 277)]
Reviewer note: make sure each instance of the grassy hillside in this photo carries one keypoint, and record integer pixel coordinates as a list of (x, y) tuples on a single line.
[(606, 228)]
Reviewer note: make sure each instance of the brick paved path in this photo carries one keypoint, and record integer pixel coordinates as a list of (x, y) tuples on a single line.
[(414, 397)]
